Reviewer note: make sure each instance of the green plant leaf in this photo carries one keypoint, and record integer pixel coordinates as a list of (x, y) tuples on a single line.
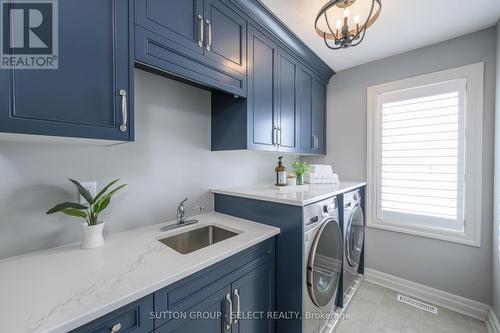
[(110, 194), (65, 205), (75, 212), (105, 189), (103, 204), (83, 191)]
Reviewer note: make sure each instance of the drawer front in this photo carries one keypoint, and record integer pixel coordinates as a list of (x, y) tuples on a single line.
[(158, 52), (185, 294), (132, 318)]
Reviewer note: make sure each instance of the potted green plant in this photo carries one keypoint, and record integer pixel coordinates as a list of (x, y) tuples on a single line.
[(300, 168), (91, 227)]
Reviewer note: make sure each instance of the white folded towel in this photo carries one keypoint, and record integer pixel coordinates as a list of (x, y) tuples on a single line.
[(313, 178), (320, 169)]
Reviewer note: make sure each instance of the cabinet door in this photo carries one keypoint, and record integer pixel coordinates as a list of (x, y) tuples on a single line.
[(305, 110), (262, 101), (209, 316), (287, 101), (82, 97), (181, 21), (132, 318), (319, 116), (225, 36), (254, 294)]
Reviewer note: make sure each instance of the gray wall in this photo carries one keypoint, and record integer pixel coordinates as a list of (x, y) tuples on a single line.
[(496, 213), (459, 269), (170, 160)]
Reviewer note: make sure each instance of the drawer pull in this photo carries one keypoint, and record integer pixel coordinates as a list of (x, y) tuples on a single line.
[(238, 306), (123, 126), (116, 328), (209, 45), (202, 33), (229, 314)]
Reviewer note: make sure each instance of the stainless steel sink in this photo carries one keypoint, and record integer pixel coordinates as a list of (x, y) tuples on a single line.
[(196, 239)]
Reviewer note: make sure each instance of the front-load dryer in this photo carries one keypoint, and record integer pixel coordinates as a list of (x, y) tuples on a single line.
[(354, 235), (323, 263)]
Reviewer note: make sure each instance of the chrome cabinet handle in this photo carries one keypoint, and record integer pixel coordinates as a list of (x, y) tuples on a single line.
[(230, 312), (123, 126), (209, 44), (314, 142), (275, 136), (238, 306), (202, 34), (116, 328), (279, 136)]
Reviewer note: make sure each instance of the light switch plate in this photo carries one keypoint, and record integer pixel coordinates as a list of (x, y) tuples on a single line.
[(91, 187)]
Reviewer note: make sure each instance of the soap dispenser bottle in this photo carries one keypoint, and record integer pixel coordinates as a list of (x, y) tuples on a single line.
[(280, 173)]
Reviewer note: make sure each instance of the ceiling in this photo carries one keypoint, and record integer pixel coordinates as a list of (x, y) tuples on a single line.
[(402, 26)]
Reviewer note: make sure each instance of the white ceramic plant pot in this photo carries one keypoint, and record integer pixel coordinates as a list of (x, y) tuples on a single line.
[(92, 235)]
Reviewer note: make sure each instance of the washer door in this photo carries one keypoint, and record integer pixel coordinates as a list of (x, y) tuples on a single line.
[(325, 263), (355, 236)]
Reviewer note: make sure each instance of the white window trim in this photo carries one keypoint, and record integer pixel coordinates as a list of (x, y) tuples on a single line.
[(474, 76)]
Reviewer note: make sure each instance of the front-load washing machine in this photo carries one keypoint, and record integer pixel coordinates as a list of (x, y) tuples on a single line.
[(354, 235), (323, 261)]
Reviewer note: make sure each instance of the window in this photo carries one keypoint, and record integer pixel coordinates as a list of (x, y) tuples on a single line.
[(425, 155)]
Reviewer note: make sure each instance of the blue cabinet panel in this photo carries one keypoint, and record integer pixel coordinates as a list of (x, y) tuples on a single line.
[(199, 41), (305, 110), (180, 21), (81, 98), (208, 316), (319, 115), (226, 36), (287, 102), (132, 318), (254, 293), (262, 102)]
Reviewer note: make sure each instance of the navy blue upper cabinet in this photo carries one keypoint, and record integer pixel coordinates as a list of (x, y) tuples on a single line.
[(89, 95), (312, 113), (226, 36), (319, 116), (305, 110), (288, 127), (262, 88), (199, 40), (181, 21)]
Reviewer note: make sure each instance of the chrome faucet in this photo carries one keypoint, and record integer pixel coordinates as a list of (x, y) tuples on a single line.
[(181, 212), (181, 215)]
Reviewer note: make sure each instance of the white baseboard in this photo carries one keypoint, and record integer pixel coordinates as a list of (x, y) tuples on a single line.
[(437, 297), (492, 322)]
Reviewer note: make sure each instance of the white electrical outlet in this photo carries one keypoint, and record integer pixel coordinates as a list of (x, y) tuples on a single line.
[(89, 186)]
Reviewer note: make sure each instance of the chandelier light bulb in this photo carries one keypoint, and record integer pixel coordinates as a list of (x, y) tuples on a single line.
[(356, 19), (346, 13), (338, 24)]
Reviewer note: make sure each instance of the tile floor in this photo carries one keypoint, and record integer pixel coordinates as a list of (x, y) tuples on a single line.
[(375, 309)]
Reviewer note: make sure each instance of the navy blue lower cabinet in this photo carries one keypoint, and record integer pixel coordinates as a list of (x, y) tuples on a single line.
[(253, 301), (132, 318), (209, 316), (90, 94)]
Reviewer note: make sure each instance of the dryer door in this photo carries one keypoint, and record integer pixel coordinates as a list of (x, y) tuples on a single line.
[(355, 236), (325, 263)]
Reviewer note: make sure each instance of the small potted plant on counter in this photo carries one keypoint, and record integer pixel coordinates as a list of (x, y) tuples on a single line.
[(300, 168), (92, 227)]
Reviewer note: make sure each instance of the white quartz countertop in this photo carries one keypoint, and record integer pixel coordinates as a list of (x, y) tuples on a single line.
[(60, 289), (297, 195)]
